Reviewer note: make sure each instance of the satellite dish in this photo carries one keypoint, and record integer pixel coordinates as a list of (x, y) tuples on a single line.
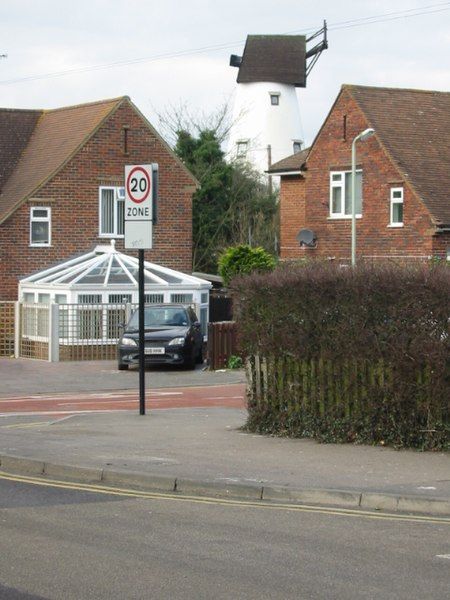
[(307, 237), (235, 61)]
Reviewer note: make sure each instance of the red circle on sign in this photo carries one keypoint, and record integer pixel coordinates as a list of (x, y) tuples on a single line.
[(147, 179)]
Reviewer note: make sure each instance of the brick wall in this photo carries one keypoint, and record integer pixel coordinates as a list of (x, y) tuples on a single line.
[(375, 239), (73, 195)]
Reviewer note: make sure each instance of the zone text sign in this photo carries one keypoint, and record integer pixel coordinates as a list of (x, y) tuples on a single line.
[(140, 195)]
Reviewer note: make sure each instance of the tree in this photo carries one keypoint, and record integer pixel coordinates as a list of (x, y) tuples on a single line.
[(233, 204), (243, 260)]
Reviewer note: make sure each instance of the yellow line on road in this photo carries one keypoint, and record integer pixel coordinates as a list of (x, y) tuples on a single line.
[(343, 512)]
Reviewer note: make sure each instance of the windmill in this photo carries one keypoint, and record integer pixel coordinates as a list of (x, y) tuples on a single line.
[(266, 124)]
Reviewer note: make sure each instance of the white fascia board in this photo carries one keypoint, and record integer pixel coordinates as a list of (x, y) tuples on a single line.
[(284, 173)]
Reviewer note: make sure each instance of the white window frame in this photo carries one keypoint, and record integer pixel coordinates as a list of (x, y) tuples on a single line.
[(297, 143), (241, 148), (394, 201), (341, 184), (119, 196), (274, 95), (47, 219)]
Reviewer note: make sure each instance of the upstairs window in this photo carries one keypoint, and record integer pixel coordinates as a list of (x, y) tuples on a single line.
[(111, 211), (341, 194), (396, 208), (40, 226), (296, 146), (241, 149), (274, 98)]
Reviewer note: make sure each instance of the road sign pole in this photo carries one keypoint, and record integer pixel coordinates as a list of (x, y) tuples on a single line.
[(141, 190), (141, 335)]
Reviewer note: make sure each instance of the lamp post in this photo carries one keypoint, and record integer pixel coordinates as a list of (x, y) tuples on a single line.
[(360, 137)]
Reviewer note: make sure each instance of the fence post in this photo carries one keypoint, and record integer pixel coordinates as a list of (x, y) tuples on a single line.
[(128, 309), (17, 328), (53, 333)]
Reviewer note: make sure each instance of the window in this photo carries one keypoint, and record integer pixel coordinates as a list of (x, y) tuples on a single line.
[(396, 210), (341, 194), (28, 297), (296, 146), (182, 298), (40, 226), (153, 298), (241, 149), (111, 211), (274, 98)]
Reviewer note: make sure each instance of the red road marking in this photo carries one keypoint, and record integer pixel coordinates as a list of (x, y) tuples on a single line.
[(232, 396)]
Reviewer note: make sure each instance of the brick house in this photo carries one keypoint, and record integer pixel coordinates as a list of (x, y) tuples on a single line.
[(402, 179), (61, 187)]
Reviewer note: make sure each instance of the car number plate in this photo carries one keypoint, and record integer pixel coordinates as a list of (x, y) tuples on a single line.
[(154, 350)]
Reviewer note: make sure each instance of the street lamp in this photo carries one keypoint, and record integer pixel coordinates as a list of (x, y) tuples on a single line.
[(360, 137)]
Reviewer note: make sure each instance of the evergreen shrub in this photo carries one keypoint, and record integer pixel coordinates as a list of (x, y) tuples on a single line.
[(343, 354)]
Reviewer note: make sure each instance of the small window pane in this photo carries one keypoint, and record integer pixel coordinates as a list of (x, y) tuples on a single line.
[(336, 177), (274, 99), (358, 193), (60, 299), (39, 232), (397, 194), (337, 200), (242, 149), (119, 298), (40, 213), (397, 212), (44, 298), (107, 211), (120, 217), (182, 298), (153, 298), (28, 297)]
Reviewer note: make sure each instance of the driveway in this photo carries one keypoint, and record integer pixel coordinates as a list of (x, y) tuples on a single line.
[(21, 377)]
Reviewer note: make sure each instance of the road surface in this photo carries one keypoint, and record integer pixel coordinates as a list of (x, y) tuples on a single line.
[(70, 542)]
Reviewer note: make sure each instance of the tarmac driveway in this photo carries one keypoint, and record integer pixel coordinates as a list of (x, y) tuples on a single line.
[(21, 376)]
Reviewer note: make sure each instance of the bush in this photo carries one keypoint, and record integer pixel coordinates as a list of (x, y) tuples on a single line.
[(243, 260), (349, 354)]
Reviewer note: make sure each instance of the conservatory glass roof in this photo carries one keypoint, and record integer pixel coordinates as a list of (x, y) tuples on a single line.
[(105, 266)]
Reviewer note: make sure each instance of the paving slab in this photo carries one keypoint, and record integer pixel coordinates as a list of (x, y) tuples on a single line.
[(204, 447), (25, 376)]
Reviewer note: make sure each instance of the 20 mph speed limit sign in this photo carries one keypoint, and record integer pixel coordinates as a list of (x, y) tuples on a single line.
[(140, 205)]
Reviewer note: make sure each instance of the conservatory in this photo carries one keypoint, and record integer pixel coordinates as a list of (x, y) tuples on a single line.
[(87, 298)]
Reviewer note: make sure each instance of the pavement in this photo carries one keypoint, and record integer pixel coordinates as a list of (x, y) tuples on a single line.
[(202, 451)]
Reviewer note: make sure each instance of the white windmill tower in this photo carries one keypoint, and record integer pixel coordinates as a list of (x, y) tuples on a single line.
[(266, 124)]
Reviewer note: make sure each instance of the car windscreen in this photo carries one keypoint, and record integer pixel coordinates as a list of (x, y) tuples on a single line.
[(164, 316)]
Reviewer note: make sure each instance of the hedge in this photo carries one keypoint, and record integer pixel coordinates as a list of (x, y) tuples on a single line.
[(348, 354)]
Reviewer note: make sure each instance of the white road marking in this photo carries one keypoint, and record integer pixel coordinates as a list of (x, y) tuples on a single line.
[(426, 487), (446, 556), (82, 395)]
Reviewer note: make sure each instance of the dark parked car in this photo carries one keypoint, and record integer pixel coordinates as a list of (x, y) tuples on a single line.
[(172, 336)]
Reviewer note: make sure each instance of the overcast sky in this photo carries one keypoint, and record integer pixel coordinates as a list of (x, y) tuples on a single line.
[(397, 48)]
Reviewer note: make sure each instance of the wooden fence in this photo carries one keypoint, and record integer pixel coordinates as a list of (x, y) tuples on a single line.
[(221, 343), (7, 320), (324, 387)]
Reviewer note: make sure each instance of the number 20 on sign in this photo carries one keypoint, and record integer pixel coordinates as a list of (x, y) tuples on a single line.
[(139, 197)]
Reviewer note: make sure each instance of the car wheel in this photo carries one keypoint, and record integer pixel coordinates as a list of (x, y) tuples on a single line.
[(122, 367)]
